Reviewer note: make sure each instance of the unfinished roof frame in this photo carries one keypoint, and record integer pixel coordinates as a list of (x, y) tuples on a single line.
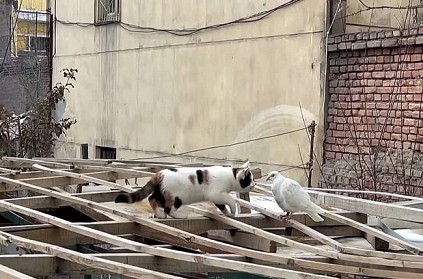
[(219, 251)]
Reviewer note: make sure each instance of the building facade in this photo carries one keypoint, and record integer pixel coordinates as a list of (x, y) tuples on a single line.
[(143, 90)]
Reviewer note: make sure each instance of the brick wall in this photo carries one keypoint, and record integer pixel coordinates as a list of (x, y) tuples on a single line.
[(21, 80), (374, 136)]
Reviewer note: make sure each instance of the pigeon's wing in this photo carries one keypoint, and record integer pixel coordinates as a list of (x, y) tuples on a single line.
[(296, 199), (279, 197)]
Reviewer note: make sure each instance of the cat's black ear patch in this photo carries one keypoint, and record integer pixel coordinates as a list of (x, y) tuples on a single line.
[(177, 203), (167, 210), (200, 176), (173, 169), (246, 181)]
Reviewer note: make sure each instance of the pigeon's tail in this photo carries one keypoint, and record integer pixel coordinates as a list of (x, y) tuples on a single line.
[(316, 217), (313, 211)]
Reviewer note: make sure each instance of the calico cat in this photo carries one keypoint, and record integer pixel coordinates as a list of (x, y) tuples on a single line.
[(172, 188)]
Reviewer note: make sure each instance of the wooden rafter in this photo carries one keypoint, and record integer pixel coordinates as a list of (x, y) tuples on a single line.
[(339, 257)]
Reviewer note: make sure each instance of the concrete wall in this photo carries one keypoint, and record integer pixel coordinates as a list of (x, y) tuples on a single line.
[(143, 92), (394, 15)]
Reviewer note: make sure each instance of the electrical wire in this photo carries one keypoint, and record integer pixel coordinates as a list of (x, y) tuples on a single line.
[(11, 36), (223, 145), (190, 31)]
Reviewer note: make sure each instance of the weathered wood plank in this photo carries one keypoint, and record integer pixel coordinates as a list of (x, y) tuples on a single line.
[(368, 207), (83, 259), (85, 177), (244, 240), (318, 251), (39, 265), (8, 273), (192, 238), (139, 247)]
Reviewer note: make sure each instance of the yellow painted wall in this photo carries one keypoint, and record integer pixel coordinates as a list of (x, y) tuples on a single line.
[(38, 5)]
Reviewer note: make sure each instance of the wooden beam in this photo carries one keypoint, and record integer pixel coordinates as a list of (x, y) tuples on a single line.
[(139, 247), (8, 273), (94, 214), (295, 224), (58, 181), (45, 265), (244, 240), (20, 161), (83, 259), (368, 207), (418, 263), (199, 240), (331, 242), (379, 234), (84, 177)]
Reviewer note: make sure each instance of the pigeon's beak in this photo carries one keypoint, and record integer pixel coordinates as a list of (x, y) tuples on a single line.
[(268, 179)]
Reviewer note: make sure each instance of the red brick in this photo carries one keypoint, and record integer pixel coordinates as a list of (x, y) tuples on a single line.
[(416, 58), (378, 82), (340, 127), (370, 90), (370, 82), (370, 68), (339, 134), (382, 105), (387, 67), (398, 136), (334, 97), (417, 73), (378, 67), (415, 89), (411, 66), (343, 69), (369, 75), (352, 75), (339, 120), (406, 130), (415, 106), (417, 114), (330, 155), (384, 90), (390, 74), (332, 111), (413, 130), (388, 59), (378, 74), (412, 137), (417, 97), (410, 122), (388, 82), (394, 66), (418, 66)]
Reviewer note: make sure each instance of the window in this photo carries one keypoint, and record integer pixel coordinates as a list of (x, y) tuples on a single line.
[(38, 44), (106, 11), (105, 152), (84, 151), (31, 43)]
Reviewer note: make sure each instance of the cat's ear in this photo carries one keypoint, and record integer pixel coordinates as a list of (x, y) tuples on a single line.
[(246, 165)]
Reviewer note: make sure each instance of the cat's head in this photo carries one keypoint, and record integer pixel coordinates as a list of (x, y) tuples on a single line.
[(244, 178)]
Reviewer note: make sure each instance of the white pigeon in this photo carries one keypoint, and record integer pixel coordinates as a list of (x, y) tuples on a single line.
[(291, 197)]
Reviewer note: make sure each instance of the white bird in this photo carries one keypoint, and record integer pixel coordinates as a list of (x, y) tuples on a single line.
[(291, 197)]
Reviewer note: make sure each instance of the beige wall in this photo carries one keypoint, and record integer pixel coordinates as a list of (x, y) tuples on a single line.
[(157, 92), (359, 18)]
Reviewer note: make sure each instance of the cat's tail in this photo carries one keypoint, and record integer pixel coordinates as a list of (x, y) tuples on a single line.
[(137, 195)]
